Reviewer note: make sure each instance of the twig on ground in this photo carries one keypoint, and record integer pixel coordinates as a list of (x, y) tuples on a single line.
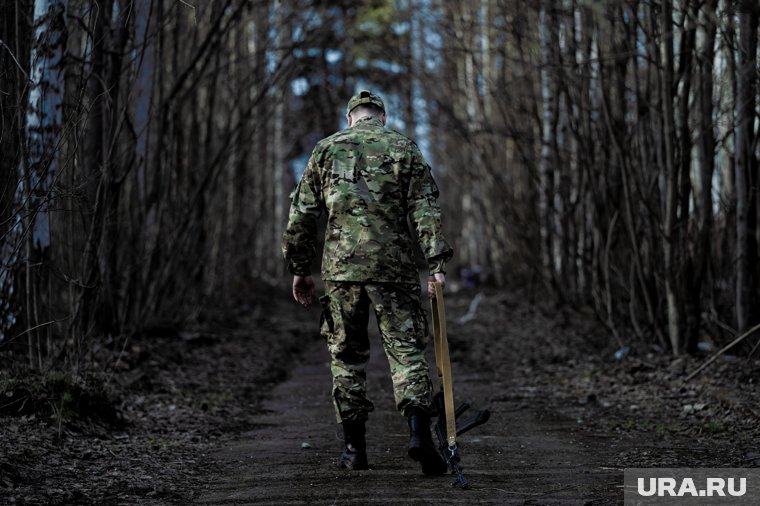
[(723, 350)]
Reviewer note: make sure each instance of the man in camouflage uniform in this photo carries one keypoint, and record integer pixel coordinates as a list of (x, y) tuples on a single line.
[(369, 180)]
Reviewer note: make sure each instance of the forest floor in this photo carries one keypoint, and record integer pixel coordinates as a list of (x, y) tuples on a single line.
[(238, 411)]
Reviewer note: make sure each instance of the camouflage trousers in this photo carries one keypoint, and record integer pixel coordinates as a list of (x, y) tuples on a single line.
[(403, 327)]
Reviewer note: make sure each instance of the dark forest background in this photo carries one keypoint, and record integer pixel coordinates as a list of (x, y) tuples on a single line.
[(605, 152)]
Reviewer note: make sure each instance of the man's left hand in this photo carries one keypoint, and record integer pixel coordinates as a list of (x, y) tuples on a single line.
[(303, 290)]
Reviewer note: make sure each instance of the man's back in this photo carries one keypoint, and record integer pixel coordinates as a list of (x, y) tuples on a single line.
[(365, 172), (368, 179)]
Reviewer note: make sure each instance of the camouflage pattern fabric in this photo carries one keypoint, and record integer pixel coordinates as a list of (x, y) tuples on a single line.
[(403, 329), (368, 179), (364, 97)]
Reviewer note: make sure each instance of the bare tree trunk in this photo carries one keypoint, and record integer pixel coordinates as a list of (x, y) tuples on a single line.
[(685, 276), (260, 178), (746, 163), (706, 168), (40, 167), (670, 244), (549, 34), (278, 209), (15, 34)]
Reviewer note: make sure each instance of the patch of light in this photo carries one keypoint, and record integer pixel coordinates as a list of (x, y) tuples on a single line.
[(388, 66), (333, 56), (298, 34), (271, 61), (400, 28), (299, 86), (434, 40)]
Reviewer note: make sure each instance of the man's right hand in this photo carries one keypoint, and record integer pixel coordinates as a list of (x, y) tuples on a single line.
[(439, 277), (303, 290)]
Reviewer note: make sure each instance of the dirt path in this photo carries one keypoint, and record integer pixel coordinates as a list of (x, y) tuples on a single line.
[(521, 456), (218, 414)]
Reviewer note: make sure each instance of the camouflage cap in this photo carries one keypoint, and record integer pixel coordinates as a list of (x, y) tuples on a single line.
[(365, 97)]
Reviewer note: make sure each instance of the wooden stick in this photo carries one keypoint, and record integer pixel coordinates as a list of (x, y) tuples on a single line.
[(723, 350)]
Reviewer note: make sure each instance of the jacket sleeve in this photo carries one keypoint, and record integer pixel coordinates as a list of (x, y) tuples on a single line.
[(299, 241), (425, 213)]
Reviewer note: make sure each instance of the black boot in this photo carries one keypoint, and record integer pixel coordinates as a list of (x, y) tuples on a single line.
[(354, 457), (421, 447)]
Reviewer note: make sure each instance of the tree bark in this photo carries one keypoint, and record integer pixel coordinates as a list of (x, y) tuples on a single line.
[(706, 155), (670, 243), (746, 164)]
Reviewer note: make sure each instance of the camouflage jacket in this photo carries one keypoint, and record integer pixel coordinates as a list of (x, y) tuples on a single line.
[(368, 179)]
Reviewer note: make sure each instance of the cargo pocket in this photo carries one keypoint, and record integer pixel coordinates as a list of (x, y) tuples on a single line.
[(326, 325)]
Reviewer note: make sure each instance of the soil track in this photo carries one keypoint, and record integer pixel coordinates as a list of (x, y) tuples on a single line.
[(567, 419), (238, 411), (521, 456)]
